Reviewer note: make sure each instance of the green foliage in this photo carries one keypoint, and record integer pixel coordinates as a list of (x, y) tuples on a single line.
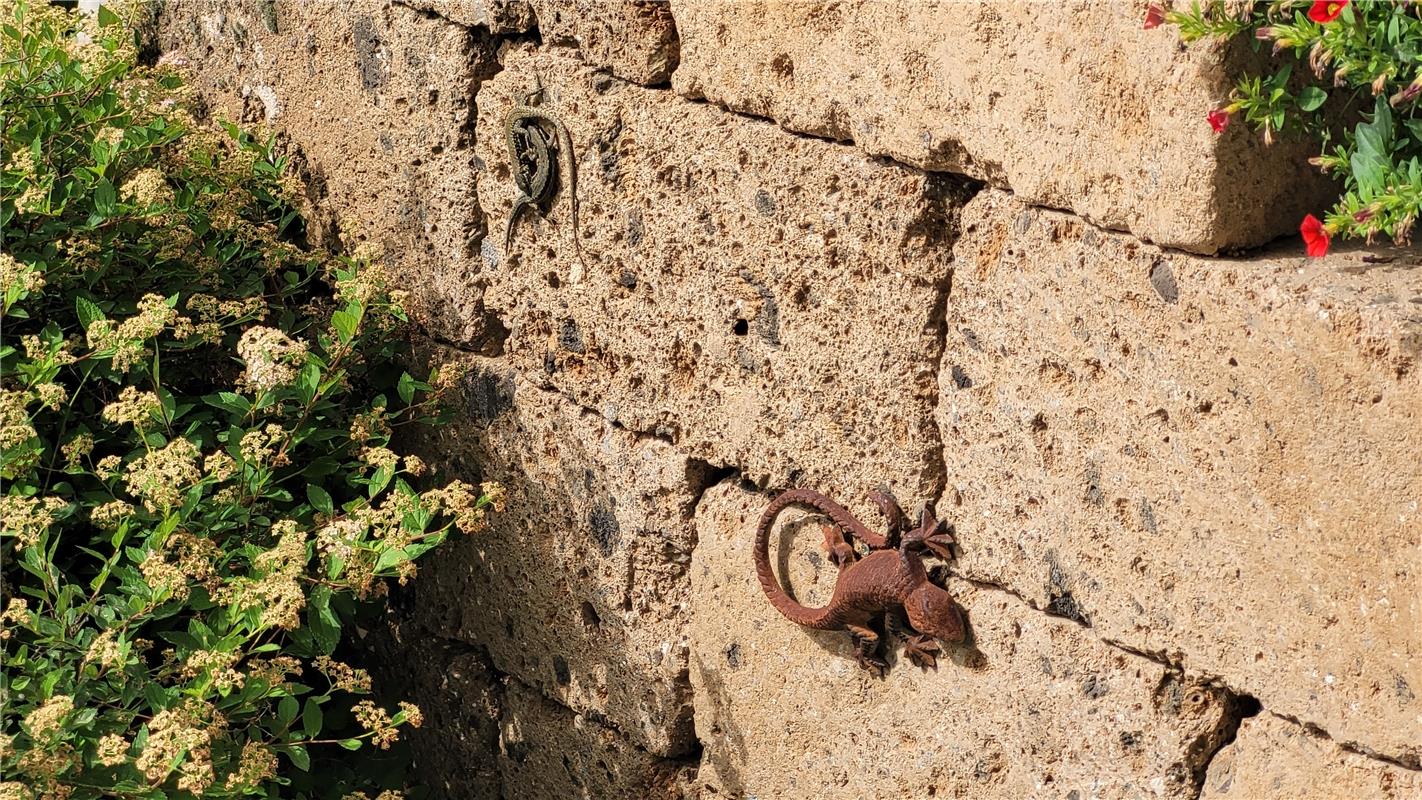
[(195, 412), (1368, 58)]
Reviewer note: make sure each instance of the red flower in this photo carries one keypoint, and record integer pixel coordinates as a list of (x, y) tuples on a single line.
[(1325, 11), (1154, 16), (1315, 237), (1219, 119)]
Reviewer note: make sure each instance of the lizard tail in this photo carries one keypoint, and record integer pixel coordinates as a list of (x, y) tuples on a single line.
[(566, 146), (783, 602)]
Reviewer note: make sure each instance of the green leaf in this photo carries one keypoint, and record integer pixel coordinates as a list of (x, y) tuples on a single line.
[(1372, 154), (350, 744), (156, 696), (379, 481), (299, 757), (107, 17), (1311, 97), (87, 310), (311, 718), (230, 402), (345, 324), (287, 709), (322, 622), (390, 558), (406, 388), (320, 499), (104, 198), (321, 467)]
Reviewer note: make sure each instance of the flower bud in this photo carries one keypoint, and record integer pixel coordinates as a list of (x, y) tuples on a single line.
[(1408, 94)]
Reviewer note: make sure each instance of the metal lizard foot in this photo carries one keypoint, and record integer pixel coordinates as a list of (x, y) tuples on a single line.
[(866, 643), (922, 650), (841, 552), (931, 535)]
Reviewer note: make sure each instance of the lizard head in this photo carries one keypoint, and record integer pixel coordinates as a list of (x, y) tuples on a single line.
[(932, 610)]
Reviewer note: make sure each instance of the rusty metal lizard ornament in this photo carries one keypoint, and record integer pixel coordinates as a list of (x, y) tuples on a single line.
[(890, 582)]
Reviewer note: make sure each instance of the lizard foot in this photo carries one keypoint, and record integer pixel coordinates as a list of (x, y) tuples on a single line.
[(841, 552), (922, 650), (866, 645), (931, 535), (876, 666)]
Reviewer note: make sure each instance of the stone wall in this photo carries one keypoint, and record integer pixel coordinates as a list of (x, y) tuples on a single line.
[(969, 252)]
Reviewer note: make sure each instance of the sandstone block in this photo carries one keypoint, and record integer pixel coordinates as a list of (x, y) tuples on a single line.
[(636, 39), (760, 299), (498, 16), (1211, 460), (1033, 707), (1069, 105), (375, 101), (548, 751), (579, 589), (1274, 759)]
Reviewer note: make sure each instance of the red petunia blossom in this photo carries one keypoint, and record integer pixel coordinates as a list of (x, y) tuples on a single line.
[(1155, 15), (1219, 119), (1325, 11), (1315, 237)]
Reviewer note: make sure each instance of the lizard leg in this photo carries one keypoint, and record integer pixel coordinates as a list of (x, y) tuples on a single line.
[(920, 648), (841, 552), (894, 522), (866, 641)]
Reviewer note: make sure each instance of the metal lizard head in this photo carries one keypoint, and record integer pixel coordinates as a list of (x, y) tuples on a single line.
[(932, 610)]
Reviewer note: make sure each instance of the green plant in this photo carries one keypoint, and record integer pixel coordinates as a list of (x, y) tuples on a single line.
[(1368, 52), (195, 417)]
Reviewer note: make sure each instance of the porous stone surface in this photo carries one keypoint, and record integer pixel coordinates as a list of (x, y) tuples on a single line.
[(1212, 460), (547, 751), (1275, 759), (498, 16), (455, 750), (1033, 706), (579, 588), (635, 39), (756, 298), (375, 101), (1070, 105)]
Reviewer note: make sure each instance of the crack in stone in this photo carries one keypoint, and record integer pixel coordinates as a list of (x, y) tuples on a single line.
[(1355, 748), (1177, 664)]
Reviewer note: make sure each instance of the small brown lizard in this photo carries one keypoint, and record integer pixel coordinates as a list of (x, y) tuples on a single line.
[(528, 144), (889, 581)]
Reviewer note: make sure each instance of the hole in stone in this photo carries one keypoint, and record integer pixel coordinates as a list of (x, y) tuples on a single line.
[(741, 328), (1205, 407), (590, 616), (553, 282), (1247, 705), (1377, 398), (1233, 362)]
